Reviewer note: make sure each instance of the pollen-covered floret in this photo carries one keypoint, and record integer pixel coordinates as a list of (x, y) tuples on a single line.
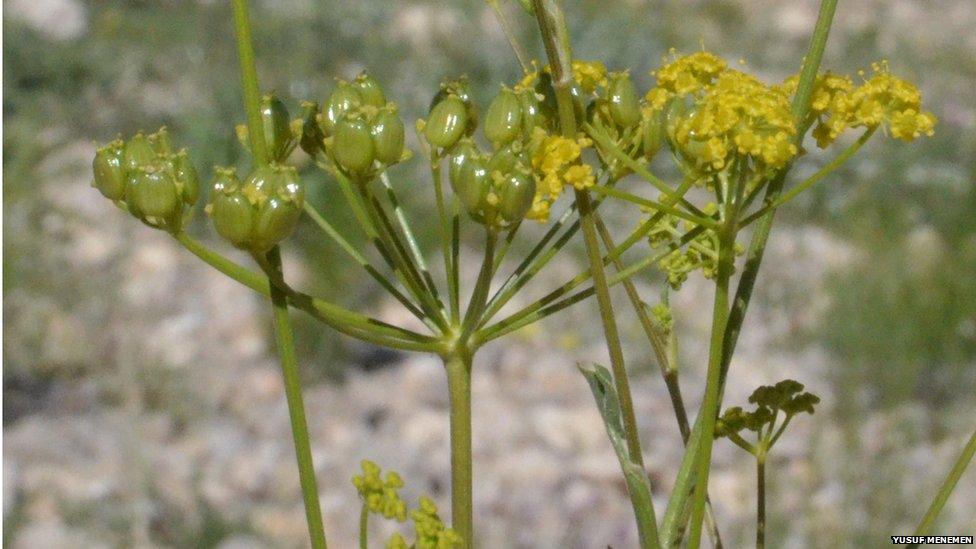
[(684, 75), (737, 117), (557, 163), (885, 99), (380, 495)]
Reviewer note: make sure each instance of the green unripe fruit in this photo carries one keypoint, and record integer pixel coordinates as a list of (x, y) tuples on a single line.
[(388, 134), (506, 159), (624, 104), (503, 118), (470, 181), (186, 177), (370, 90), (160, 142), (277, 128), (464, 149), (447, 122), (673, 112), (107, 168), (233, 217), (225, 181), (276, 219), (138, 153), (532, 116), (151, 193), (345, 97), (515, 195), (652, 134), (352, 145)]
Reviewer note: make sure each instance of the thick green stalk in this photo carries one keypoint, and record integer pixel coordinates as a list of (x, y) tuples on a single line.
[(249, 82), (284, 337), (925, 527), (709, 408), (555, 35), (296, 408), (458, 366), (364, 527), (761, 500)]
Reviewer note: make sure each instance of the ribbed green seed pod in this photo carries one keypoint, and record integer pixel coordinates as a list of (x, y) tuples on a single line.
[(673, 112), (225, 181), (345, 97), (152, 195), (652, 134), (370, 90), (107, 168), (515, 195), (138, 153), (447, 122), (160, 142), (277, 128), (532, 116), (503, 118), (276, 219), (464, 149), (352, 145), (233, 217), (622, 97), (187, 180), (506, 159), (470, 181), (388, 133)]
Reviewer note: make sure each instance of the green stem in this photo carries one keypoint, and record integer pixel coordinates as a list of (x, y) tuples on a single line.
[(709, 408), (657, 206), (458, 366), (948, 485), (364, 527), (761, 500), (447, 238), (350, 250), (479, 295), (813, 179), (249, 82), (296, 408)]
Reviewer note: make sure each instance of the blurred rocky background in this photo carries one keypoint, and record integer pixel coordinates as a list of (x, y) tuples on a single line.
[(142, 401)]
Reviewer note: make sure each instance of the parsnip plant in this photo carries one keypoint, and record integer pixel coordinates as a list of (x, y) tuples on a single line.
[(554, 148)]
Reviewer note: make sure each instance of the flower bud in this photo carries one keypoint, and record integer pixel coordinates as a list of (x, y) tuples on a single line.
[(447, 122), (503, 118), (344, 98), (622, 97), (370, 90), (387, 131), (109, 175), (352, 145), (515, 194), (152, 196), (277, 128)]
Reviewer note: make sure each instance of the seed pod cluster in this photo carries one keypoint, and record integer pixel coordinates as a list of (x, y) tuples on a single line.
[(355, 128), (147, 178), (496, 189), (259, 212)]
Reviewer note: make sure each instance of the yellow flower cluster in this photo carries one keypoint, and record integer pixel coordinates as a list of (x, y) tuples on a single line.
[(737, 116), (882, 100), (380, 495), (430, 529), (588, 75), (684, 75), (556, 163)]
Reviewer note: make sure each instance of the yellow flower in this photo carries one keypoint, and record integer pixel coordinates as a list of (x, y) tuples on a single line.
[(380, 495), (556, 163), (886, 99), (684, 75), (589, 75), (431, 531)]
